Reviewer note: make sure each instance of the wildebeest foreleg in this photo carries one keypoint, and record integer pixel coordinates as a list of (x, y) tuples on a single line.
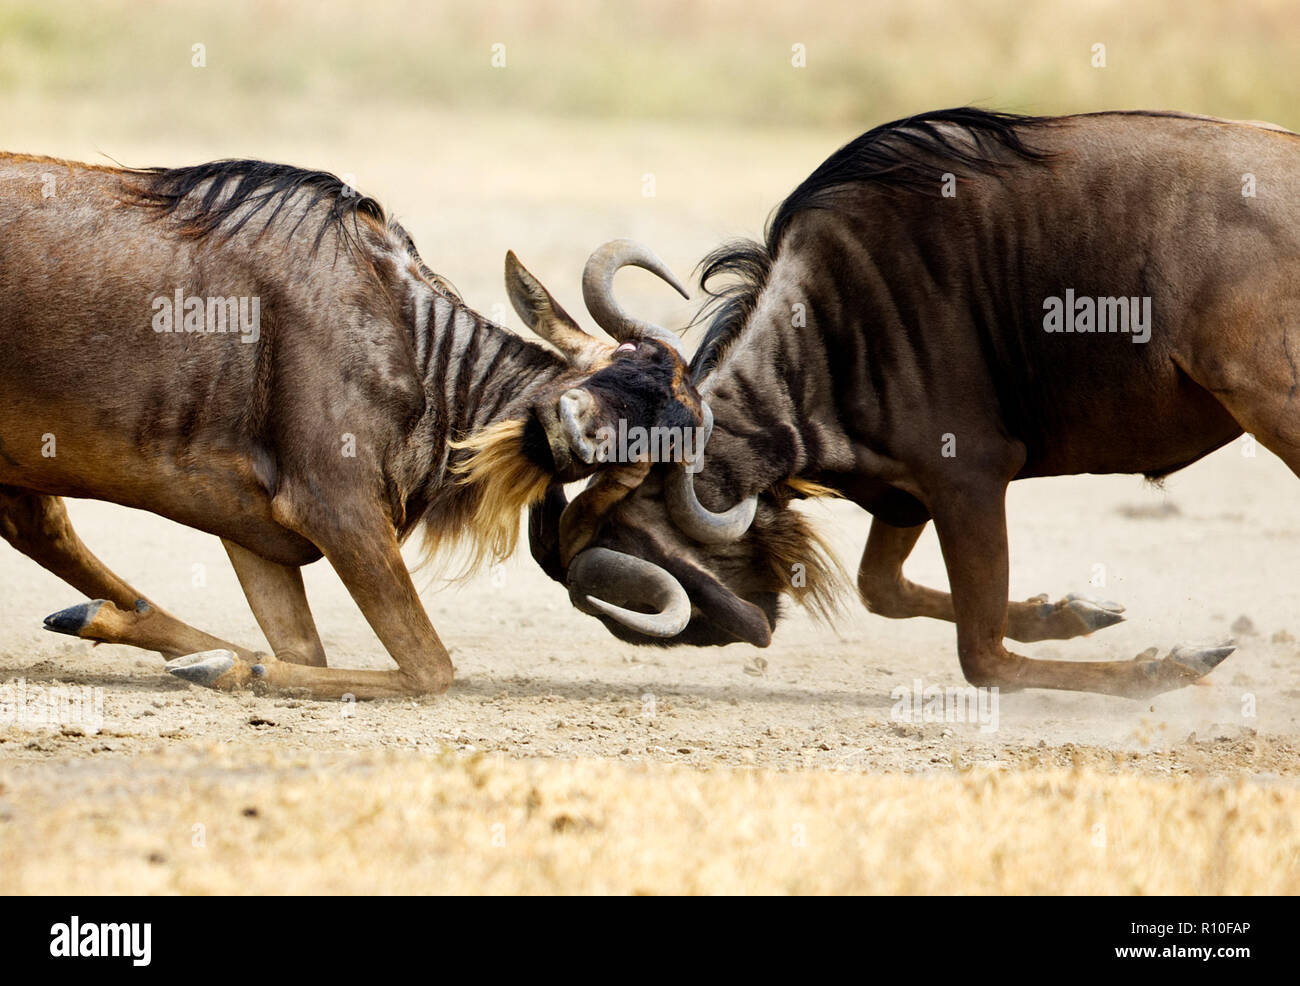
[(39, 527), (971, 522), (888, 593), (369, 561), (278, 600)]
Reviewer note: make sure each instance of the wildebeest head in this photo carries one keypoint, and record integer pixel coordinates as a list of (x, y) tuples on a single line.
[(641, 380), (639, 550), (567, 426)]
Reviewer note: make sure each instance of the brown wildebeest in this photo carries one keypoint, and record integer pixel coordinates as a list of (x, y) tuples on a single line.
[(951, 302), (255, 351)]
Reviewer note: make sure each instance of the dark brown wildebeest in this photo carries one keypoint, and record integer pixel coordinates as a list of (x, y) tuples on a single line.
[(951, 302), (255, 351)]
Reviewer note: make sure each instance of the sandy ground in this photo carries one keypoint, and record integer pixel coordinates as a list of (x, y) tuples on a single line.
[(807, 724), (536, 678)]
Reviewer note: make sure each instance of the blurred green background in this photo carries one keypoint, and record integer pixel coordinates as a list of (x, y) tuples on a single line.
[(598, 104), (724, 61)]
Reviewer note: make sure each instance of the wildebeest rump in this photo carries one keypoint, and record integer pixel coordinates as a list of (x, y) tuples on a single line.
[(901, 340), (256, 351)]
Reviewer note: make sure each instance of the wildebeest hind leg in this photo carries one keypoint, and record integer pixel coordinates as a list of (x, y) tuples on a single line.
[(1259, 386), (970, 519), (888, 593), (39, 527)]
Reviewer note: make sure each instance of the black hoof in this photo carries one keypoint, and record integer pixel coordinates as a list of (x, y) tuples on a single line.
[(74, 619)]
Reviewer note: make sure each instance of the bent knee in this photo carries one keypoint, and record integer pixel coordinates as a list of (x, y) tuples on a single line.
[(987, 668), (884, 597)]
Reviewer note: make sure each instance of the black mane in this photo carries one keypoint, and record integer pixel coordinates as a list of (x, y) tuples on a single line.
[(230, 185), (912, 154)]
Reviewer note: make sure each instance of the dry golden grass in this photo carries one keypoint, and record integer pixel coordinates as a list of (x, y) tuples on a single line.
[(416, 824)]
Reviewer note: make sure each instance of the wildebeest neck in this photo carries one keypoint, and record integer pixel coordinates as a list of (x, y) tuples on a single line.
[(474, 375), (775, 416)]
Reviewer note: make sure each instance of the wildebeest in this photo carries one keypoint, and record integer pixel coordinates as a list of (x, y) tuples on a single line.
[(902, 339), (256, 351)]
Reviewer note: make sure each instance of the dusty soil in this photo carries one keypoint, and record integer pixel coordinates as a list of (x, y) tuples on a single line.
[(536, 678)]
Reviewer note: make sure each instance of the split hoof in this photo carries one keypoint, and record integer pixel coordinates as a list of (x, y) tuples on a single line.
[(1094, 614), (1201, 660), (1186, 664), (1073, 616), (74, 619), (203, 668)]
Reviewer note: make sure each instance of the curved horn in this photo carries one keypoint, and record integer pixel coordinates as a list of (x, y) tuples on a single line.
[(695, 519), (598, 292), (629, 579), (575, 402)]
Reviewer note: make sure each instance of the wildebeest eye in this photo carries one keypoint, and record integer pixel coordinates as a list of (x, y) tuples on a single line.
[(627, 347)]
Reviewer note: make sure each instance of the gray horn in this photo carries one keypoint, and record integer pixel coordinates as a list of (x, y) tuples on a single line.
[(575, 403), (598, 292), (630, 580), (695, 519)]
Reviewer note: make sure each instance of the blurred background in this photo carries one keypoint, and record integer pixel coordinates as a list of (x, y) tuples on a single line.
[(549, 127)]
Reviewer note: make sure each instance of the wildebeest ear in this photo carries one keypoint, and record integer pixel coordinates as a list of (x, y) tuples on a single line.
[(733, 614), (742, 619), (544, 531), (543, 314)]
